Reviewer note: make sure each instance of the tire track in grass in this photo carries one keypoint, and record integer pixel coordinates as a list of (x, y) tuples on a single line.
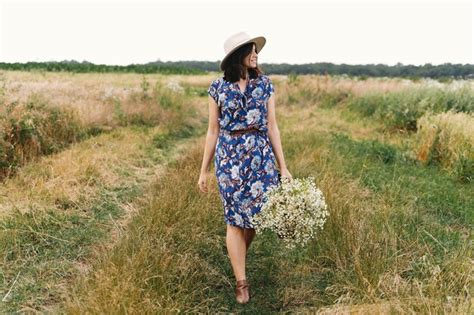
[(173, 256), (56, 210)]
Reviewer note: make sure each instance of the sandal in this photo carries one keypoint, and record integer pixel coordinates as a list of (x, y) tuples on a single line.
[(242, 294)]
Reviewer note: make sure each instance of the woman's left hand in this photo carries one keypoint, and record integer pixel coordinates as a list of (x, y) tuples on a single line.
[(286, 173)]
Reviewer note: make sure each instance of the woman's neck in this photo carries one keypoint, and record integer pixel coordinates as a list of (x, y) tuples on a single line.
[(247, 75)]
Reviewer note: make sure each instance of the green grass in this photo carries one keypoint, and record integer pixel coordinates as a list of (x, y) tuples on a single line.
[(371, 239), (398, 234), (385, 169), (44, 246), (402, 109), (177, 243)]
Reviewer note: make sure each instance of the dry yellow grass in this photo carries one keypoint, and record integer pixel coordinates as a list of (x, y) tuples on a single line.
[(447, 138), (175, 276), (45, 112), (76, 173), (92, 95), (326, 83), (153, 265)]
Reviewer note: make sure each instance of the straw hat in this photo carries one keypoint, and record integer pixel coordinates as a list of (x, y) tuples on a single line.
[(238, 40)]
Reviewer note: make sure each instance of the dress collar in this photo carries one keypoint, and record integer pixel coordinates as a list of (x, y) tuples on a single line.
[(235, 85)]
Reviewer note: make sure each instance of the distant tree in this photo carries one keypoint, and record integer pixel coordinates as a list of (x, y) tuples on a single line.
[(446, 70)]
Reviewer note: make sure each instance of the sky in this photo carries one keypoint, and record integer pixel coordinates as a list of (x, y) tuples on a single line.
[(338, 31)]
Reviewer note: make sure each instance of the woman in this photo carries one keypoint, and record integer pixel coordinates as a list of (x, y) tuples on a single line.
[(243, 133)]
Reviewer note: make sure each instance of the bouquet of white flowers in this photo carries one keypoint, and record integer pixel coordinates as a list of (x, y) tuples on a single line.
[(294, 209)]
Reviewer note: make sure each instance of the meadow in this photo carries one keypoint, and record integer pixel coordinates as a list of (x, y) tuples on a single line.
[(100, 210)]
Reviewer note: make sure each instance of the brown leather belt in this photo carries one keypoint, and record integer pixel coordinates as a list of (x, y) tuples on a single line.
[(241, 131)]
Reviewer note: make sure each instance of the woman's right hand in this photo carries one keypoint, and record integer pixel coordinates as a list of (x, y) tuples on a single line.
[(202, 182)]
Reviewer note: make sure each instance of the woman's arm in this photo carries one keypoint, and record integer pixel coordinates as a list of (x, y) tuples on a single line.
[(210, 145), (274, 135)]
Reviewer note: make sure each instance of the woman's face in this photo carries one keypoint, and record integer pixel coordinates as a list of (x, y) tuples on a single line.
[(251, 60)]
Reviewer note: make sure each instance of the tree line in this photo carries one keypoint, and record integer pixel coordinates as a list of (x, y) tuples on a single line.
[(446, 70)]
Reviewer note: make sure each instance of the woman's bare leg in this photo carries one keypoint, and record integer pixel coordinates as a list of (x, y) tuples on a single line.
[(236, 248), (249, 235)]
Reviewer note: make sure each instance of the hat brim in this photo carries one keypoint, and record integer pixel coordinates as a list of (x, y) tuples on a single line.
[(259, 43)]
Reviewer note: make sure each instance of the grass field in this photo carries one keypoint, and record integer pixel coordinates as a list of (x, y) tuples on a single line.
[(112, 220)]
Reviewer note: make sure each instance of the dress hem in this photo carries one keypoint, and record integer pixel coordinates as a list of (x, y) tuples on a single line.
[(236, 225)]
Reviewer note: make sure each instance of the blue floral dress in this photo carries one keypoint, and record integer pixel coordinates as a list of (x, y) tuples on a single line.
[(245, 164)]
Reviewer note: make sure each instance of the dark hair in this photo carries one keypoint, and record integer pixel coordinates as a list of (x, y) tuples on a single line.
[(234, 68)]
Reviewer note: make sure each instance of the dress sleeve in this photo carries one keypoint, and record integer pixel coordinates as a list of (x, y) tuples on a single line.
[(269, 87), (212, 90)]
